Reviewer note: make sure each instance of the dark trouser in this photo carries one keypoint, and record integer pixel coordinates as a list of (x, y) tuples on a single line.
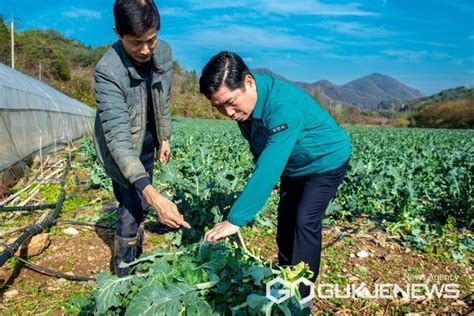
[(132, 205), (303, 202)]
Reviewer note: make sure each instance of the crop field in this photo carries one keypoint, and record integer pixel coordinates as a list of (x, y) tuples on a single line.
[(404, 214)]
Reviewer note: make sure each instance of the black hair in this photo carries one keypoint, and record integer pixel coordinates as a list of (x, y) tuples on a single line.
[(225, 68), (135, 17)]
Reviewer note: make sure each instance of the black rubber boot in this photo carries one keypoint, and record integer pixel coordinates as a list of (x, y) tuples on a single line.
[(125, 250), (140, 236), (309, 306), (297, 309)]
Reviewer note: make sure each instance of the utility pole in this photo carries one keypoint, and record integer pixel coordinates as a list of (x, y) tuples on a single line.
[(39, 71), (12, 28)]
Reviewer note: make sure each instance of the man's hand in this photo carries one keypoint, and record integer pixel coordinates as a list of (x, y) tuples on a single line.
[(166, 210), (221, 230), (164, 153)]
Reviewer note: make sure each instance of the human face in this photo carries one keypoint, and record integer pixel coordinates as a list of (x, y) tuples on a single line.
[(237, 104), (140, 48)]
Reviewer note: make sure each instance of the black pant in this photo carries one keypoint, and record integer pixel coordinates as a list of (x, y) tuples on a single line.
[(303, 202), (132, 205)]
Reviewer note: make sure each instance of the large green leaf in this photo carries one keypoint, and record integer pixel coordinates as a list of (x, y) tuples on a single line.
[(110, 292), (199, 308), (256, 301), (258, 273), (158, 300)]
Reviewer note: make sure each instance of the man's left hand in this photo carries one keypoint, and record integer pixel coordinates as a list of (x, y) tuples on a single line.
[(165, 152), (221, 230)]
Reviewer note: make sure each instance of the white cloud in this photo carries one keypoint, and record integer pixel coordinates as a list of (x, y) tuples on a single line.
[(285, 7), (364, 43), (432, 43), (82, 13), (355, 29), (175, 12), (440, 56), (248, 38), (237, 18), (336, 56), (311, 7), (204, 5), (417, 56), (406, 55), (352, 58), (71, 32)]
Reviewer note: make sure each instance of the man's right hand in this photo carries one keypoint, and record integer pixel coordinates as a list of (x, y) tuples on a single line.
[(166, 210)]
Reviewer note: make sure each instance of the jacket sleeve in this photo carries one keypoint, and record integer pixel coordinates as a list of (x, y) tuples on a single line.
[(165, 118), (115, 121), (270, 164)]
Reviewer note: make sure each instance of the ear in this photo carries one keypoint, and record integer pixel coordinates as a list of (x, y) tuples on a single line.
[(116, 32), (250, 82)]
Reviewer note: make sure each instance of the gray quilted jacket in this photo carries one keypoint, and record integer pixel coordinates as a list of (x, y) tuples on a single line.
[(120, 123)]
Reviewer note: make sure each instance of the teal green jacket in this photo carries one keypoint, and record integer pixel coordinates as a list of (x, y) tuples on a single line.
[(290, 134)]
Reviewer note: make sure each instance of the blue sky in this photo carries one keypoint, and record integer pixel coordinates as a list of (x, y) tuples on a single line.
[(428, 45)]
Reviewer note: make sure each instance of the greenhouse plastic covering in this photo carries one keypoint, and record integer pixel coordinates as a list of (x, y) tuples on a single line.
[(34, 116)]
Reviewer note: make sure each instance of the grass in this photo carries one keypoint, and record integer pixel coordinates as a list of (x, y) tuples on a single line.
[(156, 239), (347, 241), (34, 298), (15, 220), (414, 271), (50, 192), (360, 271), (68, 265), (334, 260)]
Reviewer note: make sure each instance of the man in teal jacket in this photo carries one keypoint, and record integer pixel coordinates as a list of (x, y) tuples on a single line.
[(292, 139)]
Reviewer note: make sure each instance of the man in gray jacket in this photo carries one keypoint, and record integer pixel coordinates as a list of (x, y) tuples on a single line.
[(133, 86)]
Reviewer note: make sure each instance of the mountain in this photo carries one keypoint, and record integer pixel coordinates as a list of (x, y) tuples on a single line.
[(374, 88), (367, 92)]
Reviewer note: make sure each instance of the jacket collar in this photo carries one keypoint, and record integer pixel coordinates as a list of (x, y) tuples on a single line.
[(263, 91), (157, 65)]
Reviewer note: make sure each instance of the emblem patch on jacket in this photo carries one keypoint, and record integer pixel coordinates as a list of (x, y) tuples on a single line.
[(278, 128)]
